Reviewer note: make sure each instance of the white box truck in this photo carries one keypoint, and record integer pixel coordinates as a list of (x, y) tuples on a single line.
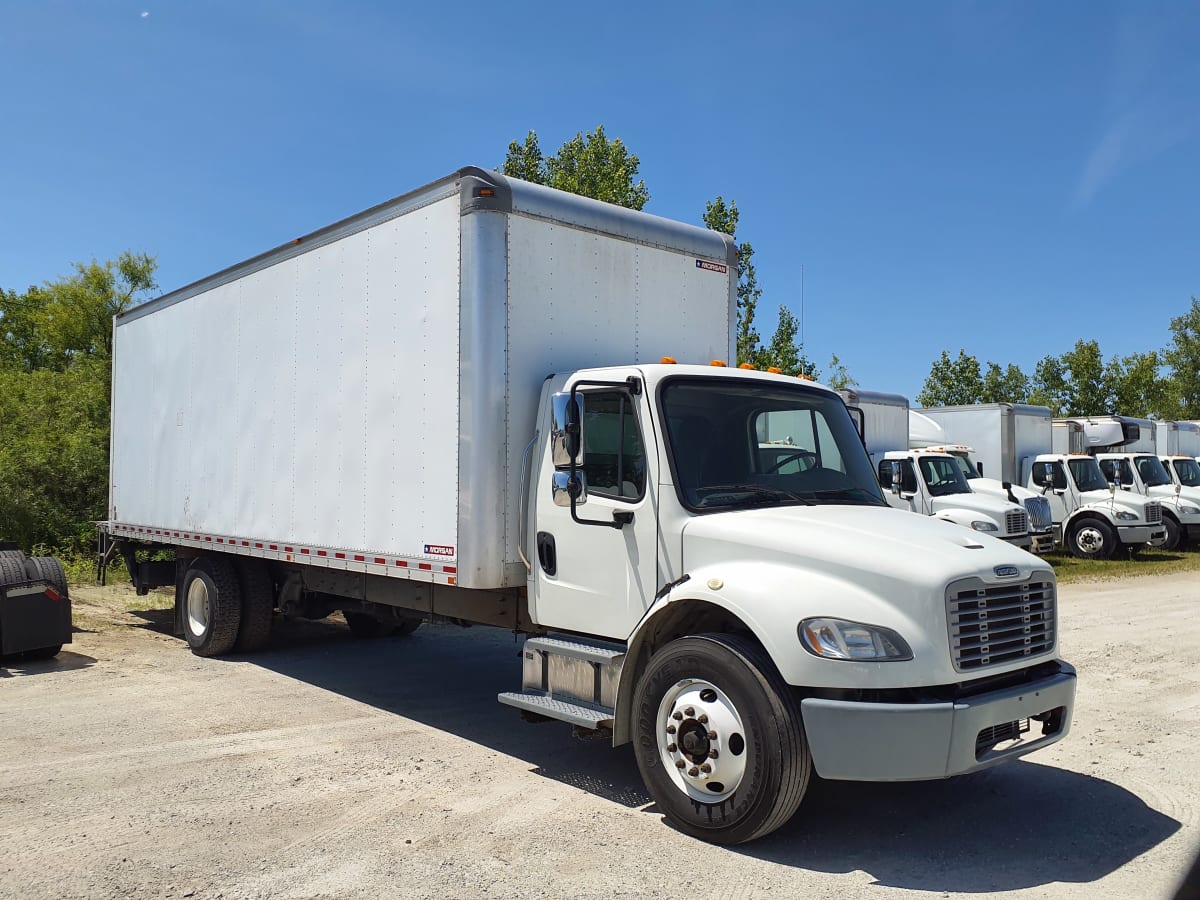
[(1126, 449), (930, 481), (455, 406), (996, 444)]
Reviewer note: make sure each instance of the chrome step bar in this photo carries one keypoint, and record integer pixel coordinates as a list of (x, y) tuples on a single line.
[(569, 679)]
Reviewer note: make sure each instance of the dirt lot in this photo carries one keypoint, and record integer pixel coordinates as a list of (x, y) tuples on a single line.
[(326, 767)]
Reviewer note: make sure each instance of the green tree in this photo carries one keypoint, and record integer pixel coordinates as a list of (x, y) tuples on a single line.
[(1138, 389), (839, 378), (1075, 383), (1182, 357), (783, 352), (1007, 385), (952, 382), (723, 217), (22, 343), (591, 165)]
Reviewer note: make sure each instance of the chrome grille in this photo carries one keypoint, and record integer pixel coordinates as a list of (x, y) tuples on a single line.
[(1154, 513), (1015, 522), (995, 624), (1038, 509)]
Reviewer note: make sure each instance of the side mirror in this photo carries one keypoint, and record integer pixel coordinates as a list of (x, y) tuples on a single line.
[(908, 479), (1058, 479), (979, 468), (897, 476), (859, 420), (566, 430), (567, 487)]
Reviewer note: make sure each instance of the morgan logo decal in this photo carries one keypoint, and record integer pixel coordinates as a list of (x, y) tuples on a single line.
[(439, 550), (711, 266)]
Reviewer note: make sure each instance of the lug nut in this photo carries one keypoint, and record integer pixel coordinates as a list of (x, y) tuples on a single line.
[(679, 764), (693, 771), (689, 712), (702, 719), (706, 768), (712, 735), (670, 729), (712, 754), (677, 716), (671, 748)]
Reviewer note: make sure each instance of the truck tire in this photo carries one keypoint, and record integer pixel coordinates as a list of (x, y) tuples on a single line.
[(49, 570), (16, 555), (12, 570), (258, 605), (212, 606), (407, 626), (366, 627), (1091, 538), (1174, 533), (717, 700)]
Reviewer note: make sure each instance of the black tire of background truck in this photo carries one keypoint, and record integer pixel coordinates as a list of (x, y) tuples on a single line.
[(778, 764), (1174, 533), (407, 626), (41, 653), (366, 627), (219, 580), (16, 555), (1106, 538), (49, 570), (258, 605), (12, 570)]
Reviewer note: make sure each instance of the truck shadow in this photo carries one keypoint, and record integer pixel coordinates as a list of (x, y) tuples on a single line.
[(65, 661), (1037, 823)]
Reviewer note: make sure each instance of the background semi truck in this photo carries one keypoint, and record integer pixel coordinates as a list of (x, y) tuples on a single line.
[(455, 406), (930, 481)]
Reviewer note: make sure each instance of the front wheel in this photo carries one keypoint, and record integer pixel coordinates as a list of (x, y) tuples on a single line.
[(1174, 534), (719, 739), (1091, 539)]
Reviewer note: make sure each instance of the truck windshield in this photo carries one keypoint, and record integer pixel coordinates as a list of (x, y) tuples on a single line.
[(1087, 474), (739, 443), (966, 467), (943, 476), (1187, 471), (1152, 471)]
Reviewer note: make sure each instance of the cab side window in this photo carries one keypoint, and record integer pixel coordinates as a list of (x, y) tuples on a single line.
[(614, 456)]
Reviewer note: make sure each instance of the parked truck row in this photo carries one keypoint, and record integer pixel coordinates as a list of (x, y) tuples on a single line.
[(463, 405)]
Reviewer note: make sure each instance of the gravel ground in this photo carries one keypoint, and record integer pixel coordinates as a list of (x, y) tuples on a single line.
[(327, 767)]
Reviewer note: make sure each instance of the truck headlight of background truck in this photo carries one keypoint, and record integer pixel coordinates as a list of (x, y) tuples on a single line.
[(838, 639), (1126, 516), (981, 525)]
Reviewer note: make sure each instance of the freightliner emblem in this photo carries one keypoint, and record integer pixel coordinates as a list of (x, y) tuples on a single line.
[(1006, 571)]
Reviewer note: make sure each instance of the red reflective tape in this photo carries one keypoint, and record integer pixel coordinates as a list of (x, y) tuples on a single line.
[(219, 540), (177, 534), (358, 558), (52, 593), (402, 563), (274, 546), (451, 569), (247, 544), (289, 550), (208, 539), (319, 553), (426, 566), (380, 561), (338, 555), (303, 549)]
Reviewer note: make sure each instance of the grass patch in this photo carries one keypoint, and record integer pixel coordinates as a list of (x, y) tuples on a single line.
[(1148, 562)]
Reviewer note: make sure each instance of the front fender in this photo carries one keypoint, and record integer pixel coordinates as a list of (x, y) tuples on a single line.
[(965, 517)]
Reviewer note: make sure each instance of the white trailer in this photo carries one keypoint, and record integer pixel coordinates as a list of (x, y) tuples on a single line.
[(459, 405), (1177, 438)]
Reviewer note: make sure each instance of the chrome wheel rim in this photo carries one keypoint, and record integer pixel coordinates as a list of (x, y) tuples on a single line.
[(702, 741), (1090, 540), (197, 607)]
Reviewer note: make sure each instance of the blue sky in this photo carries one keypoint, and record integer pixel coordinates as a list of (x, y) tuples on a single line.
[(1000, 177)]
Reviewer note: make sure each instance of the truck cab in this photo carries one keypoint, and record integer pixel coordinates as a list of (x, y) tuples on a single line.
[(1145, 475), (1090, 517), (931, 482)]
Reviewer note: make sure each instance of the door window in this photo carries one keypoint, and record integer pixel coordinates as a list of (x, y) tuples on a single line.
[(614, 456)]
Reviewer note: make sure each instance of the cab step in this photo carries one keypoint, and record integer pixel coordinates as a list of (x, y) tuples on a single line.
[(569, 679)]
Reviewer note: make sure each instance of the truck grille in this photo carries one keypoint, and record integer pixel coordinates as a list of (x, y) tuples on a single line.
[(995, 624), (1154, 513), (1015, 522), (1038, 509)]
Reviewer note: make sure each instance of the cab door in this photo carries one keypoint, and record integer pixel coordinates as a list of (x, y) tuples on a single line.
[(596, 572)]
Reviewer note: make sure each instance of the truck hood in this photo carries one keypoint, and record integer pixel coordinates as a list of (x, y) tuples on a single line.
[(873, 544), (988, 505)]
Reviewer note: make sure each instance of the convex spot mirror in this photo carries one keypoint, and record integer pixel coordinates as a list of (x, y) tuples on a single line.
[(566, 431), (566, 486)]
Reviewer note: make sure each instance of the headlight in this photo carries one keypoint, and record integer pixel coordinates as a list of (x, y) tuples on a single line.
[(838, 639), (984, 526), (1189, 510), (1127, 517)]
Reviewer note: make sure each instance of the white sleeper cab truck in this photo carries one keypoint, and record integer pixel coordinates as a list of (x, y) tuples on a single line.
[(995, 444), (1125, 448), (929, 482), (456, 407)]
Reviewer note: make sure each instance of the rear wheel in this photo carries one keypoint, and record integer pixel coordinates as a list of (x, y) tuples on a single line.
[(212, 606), (49, 570), (1091, 539), (258, 605), (719, 739)]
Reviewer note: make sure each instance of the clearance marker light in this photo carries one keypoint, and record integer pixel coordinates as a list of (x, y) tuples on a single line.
[(668, 360), (719, 363), (775, 370), (749, 366)]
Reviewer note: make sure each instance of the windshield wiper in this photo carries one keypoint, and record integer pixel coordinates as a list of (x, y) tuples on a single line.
[(847, 493), (757, 492)]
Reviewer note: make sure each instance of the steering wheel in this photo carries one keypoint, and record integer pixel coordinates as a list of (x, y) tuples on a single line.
[(783, 461)]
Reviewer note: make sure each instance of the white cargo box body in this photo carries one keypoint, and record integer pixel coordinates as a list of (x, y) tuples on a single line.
[(1006, 437), (885, 420), (361, 397)]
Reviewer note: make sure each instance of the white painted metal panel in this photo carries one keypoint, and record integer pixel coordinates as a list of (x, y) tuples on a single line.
[(313, 401)]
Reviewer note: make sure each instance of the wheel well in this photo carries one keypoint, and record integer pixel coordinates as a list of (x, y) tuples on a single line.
[(675, 620), (1087, 517)]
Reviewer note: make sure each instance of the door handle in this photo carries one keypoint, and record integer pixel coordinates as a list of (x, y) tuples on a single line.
[(547, 556)]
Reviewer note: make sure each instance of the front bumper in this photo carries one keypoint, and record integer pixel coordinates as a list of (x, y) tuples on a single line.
[(1043, 542), (1024, 541), (856, 741), (1141, 534)]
